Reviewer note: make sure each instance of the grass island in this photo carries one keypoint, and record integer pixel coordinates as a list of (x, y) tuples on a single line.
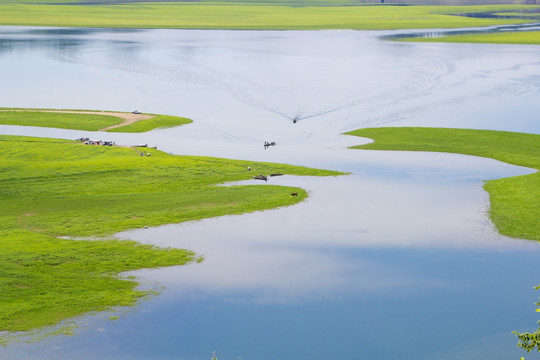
[(514, 201), (110, 121), (507, 37)]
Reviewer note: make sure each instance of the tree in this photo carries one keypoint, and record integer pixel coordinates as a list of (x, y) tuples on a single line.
[(530, 341)]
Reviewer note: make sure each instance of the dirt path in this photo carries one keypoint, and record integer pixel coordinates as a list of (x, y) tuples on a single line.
[(128, 118)]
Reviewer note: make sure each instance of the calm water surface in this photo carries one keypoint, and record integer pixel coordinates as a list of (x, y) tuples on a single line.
[(396, 261)]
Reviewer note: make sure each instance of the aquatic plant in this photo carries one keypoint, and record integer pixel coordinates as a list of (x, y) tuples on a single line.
[(530, 341)]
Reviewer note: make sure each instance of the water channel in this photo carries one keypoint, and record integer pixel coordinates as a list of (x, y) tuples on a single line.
[(397, 260)]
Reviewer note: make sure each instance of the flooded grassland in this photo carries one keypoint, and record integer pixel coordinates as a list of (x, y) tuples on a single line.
[(400, 250)]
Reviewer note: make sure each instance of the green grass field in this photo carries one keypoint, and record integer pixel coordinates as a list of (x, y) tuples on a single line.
[(83, 121), (158, 122), (58, 120), (514, 201), (57, 188), (231, 15), (514, 37)]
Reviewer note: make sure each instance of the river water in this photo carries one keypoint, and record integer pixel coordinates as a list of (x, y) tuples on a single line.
[(397, 260)]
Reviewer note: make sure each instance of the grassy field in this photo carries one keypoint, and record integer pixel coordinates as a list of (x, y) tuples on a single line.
[(57, 188), (158, 122), (514, 37), (215, 15), (514, 201), (83, 121), (58, 120)]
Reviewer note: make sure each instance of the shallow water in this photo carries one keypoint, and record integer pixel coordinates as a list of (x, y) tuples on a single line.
[(396, 260)]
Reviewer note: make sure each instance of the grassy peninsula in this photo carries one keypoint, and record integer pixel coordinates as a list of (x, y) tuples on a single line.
[(514, 201), (509, 37), (55, 193), (156, 122), (89, 120), (260, 15)]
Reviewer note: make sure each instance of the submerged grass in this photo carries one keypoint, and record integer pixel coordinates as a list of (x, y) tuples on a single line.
[(514, 201), (52, 188), (84, 121), (241, 15)]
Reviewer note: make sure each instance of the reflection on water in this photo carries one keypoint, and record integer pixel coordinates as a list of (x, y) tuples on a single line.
[(260, 81), (397, 260), (431, 34), (330, 246), (527, 14)]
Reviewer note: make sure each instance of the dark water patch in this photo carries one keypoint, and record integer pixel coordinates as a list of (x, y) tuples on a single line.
[(500, 14), (10, 45), (64, 32), (55, 40), (432, 34), (77, 31), (53, 46)]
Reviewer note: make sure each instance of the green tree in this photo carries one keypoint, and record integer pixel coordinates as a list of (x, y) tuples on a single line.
[(530, 341)]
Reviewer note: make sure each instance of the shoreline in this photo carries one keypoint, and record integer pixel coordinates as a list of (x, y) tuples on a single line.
[(129, 118)]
